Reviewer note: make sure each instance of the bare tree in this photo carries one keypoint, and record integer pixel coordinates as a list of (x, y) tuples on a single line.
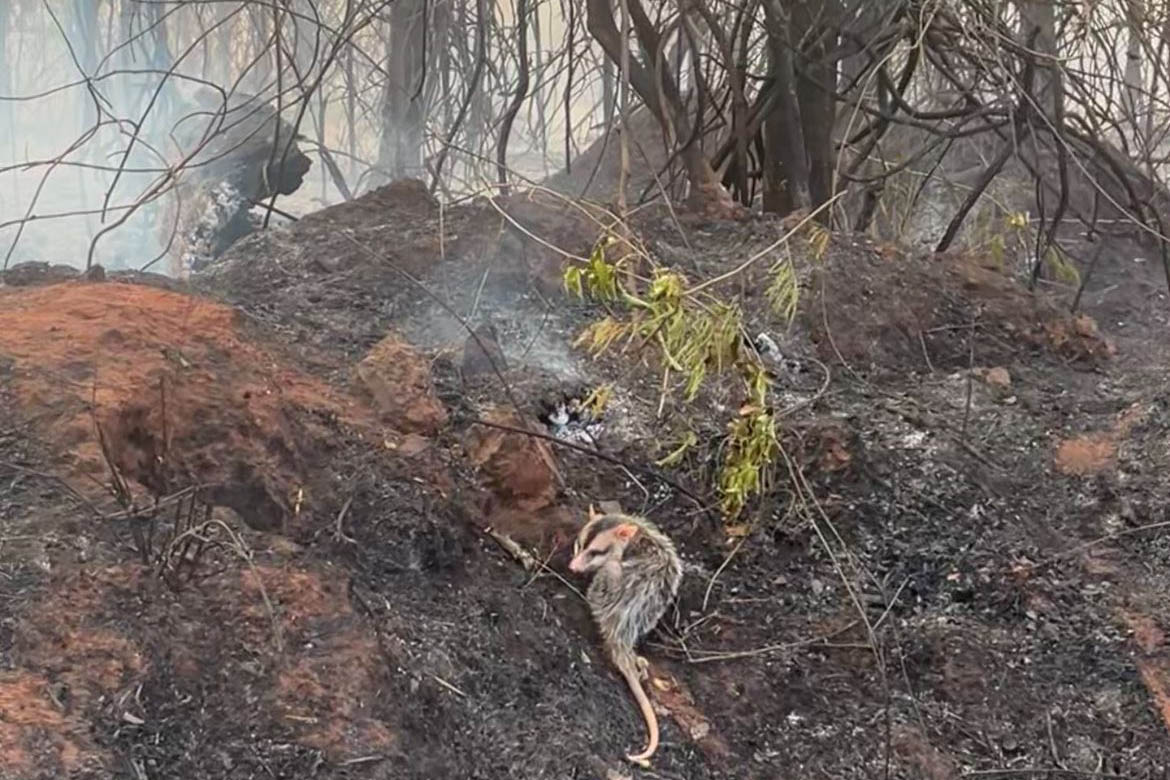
[(400, 152)]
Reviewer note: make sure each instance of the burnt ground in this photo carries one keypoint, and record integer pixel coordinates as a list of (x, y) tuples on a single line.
[(963, 574)]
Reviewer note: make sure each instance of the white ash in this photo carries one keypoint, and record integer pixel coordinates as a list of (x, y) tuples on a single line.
[(570, 420), (774, 358), (223, 204)]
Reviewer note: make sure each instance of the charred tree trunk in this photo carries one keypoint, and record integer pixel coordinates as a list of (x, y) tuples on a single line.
[(260, 26), (401, 145), (607, 92), (798, 133), (816, 22), (1038, 31), (351, 89), (442, 58), (480, 57), (520, 96), (786, 170), (1044, 92), (1137, 108)]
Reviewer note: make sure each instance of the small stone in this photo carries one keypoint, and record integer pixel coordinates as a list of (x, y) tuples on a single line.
[(998, 377), (397, 378), (412, 444), (327, 263)]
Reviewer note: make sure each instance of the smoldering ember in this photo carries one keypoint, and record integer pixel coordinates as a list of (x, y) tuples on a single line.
[(607, 390)]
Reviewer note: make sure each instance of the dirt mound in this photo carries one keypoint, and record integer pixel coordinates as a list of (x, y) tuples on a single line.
[(339, 279), (332, 279), (920, 313), (937, 567), (181, 396), (544, 233)]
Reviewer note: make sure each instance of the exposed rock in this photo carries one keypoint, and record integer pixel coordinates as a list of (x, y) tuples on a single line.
[(398, 380), (518, 469), (998, 378)]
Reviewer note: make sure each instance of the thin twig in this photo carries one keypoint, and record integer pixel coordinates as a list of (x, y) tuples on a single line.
[(722, 566), (1099, 540), (596, 454), (709, 656), (448, 686), (339, 532), (55, 479)]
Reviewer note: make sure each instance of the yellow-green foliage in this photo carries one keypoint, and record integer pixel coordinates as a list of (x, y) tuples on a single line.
[(752, 446), (1015, 237), (698, 335), (817, 236), (784, 291), (998, 248), (600, 335), (1012, 238), (598, 276), (1061, 265), (675, 456), (598, 399)]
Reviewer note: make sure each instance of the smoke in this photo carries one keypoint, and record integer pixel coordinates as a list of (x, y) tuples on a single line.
[(98, 108), (88, 136)]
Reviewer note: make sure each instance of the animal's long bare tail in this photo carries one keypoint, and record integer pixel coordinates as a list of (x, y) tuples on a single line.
[(629, 670)]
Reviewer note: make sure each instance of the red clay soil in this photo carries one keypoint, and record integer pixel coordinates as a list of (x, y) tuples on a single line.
[(181, 395), (521, 478), (323, 662), (27, 713), (69, 664), (1153, 662), (1094, 453)]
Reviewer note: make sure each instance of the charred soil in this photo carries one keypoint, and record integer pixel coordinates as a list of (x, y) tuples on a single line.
[(297, 579)]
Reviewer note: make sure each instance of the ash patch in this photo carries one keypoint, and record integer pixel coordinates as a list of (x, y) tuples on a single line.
[(223, 219), (781, 363), (572, 419)]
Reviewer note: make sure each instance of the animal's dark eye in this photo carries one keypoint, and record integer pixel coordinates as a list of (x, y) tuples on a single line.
[(597, 553)]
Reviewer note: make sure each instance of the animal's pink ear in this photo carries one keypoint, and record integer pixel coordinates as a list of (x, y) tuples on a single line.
[(594, 514), (625, 531)]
